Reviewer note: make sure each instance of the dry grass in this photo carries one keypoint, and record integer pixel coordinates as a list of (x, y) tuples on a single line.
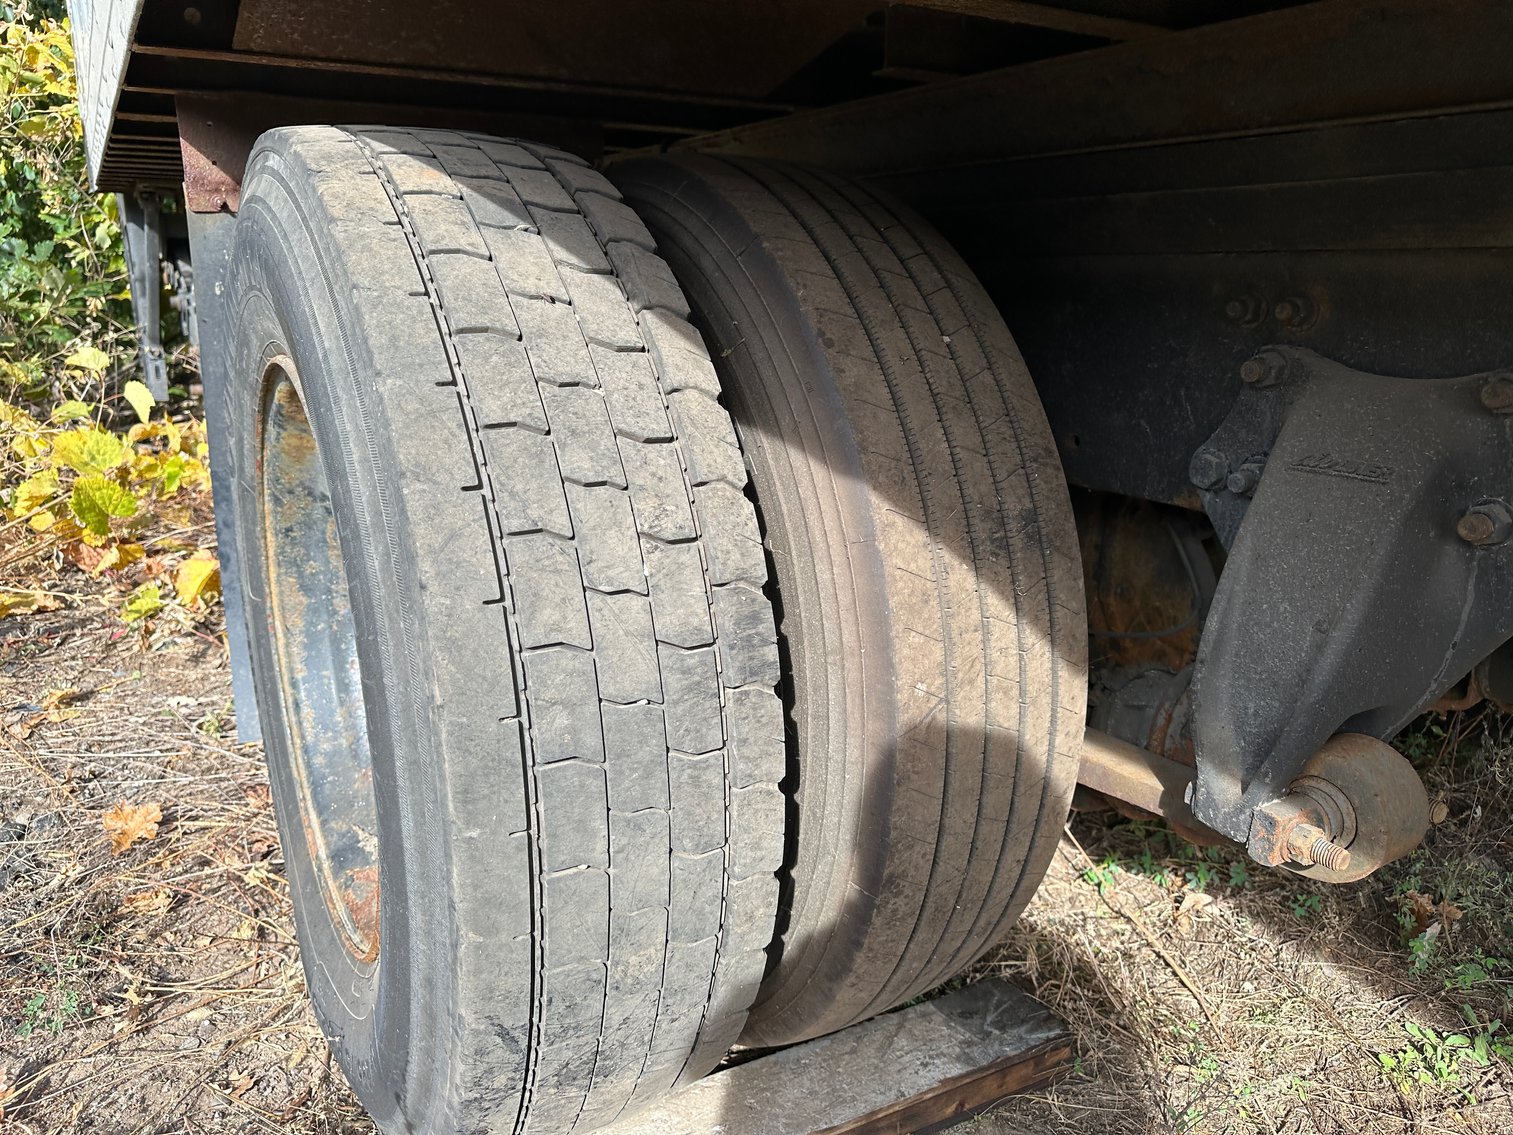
[(1263, 1002), (159, 990)]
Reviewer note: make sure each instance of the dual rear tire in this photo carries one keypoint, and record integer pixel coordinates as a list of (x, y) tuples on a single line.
[(566, 812)]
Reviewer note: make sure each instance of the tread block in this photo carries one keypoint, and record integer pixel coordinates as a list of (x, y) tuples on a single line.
[(754, 718), (574, 816), (465, 159), (609, 550), (445, 463), (391, 141), (647, 280), (507, 153), (690, 691), (698, 884), (565, 722), (416, 173), (541, 187), (527, 484), (524, 264), (757, 822), (639, 876), (613, 220), (626, 647), (709, 442), (587, 451), (635, 757), (494, 204), (559, 354), (630, 388), (699, 807), (658, 493), (679, 597), (499, 379), (472, 296), (602, 311), (578, 178), (729, 524), (748, 639), (677, 350), (543, 573), (444, 224), (553, 153), (569, 240)]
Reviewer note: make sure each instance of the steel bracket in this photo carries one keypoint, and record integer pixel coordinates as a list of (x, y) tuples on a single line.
[(1353, 595)]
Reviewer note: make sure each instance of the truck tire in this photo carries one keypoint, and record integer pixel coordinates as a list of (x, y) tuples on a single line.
[(929, 590), (512, 651)]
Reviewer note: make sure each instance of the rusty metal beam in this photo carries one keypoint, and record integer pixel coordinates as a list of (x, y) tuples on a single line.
[(1042, 16), (1331, 62), (1149, 781)]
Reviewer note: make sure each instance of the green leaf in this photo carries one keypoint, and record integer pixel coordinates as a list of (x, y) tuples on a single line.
[(140, 397), (96, 499), (71, 411), (89, 449), (88, 358), (173, 473), (144, 601)]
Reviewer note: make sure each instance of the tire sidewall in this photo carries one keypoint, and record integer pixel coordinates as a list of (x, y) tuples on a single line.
[(382, 1014)]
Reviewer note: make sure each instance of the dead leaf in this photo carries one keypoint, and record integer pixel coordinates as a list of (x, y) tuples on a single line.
[(153, 902), (50, 712), (1192, 902), (239, 1084), (27, 602), (127, 823), (1429, 917)]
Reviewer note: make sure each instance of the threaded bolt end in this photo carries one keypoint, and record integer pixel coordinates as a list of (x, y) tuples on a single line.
[(1330, 855)]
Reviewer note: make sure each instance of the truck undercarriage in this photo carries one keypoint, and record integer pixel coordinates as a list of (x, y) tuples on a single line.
[(1251, 255)]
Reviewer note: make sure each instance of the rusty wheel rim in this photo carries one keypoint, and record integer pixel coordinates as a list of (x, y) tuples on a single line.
[(315, 654)]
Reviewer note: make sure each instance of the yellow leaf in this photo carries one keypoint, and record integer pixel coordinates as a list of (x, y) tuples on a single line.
[(197, 578), (34, 492), (140, 397), (96, 499), (88, 358), (144, 601), (89, 449), (127, 823)]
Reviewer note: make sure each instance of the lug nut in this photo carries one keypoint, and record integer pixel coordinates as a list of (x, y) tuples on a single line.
[(1497, 394), (1309, 844), (1486, 523), (1244, 480)]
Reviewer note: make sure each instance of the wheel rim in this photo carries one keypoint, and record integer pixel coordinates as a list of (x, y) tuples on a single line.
[(315, 655)]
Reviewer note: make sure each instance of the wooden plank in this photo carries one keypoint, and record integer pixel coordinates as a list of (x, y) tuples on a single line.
[(919, 1067)]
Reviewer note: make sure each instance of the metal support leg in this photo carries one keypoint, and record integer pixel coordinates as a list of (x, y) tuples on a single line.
[(142, 216), (210, 244)]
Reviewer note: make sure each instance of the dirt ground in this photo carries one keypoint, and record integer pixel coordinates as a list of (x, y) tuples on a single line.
[(159, 990)]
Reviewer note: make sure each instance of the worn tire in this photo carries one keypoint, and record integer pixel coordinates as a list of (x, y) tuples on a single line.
[(567, 662), (930, 595)]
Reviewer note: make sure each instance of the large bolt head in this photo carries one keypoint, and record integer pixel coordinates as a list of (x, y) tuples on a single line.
[(1208, 469), (1497, 394)]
